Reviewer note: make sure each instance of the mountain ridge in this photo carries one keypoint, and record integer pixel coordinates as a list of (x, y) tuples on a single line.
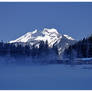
[(53, 37)]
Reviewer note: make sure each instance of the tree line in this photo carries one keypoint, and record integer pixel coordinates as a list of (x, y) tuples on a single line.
[(81, 49), (19, 50)]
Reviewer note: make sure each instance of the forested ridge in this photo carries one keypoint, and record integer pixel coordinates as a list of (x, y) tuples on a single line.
[(81, 49), (17, 49)]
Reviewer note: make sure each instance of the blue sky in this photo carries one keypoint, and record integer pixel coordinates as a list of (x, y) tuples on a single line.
[(74, 19)]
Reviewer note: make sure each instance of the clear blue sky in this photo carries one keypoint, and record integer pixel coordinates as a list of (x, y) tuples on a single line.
[(74, 19)]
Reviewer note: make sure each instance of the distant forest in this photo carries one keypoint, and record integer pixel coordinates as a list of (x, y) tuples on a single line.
[(20, 50), (81, 49)]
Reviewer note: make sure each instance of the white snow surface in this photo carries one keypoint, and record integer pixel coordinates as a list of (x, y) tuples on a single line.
[(68, 37), (51, 35)]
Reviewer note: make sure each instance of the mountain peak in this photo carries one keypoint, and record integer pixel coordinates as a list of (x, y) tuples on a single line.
[(51, 35), (52, 30), (35, 31)]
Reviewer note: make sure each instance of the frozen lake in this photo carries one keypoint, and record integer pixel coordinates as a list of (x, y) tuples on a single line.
[(56, 76)]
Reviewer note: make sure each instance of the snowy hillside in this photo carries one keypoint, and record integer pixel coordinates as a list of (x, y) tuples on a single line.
[(51, 35)]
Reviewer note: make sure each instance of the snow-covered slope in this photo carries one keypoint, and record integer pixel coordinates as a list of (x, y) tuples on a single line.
[(64, 42), (51, 35)]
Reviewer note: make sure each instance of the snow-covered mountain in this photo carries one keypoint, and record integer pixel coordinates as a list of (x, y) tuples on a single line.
[(63, 43), (51, 35)]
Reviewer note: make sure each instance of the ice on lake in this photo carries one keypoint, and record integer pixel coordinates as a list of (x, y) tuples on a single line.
[(41, 77)]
